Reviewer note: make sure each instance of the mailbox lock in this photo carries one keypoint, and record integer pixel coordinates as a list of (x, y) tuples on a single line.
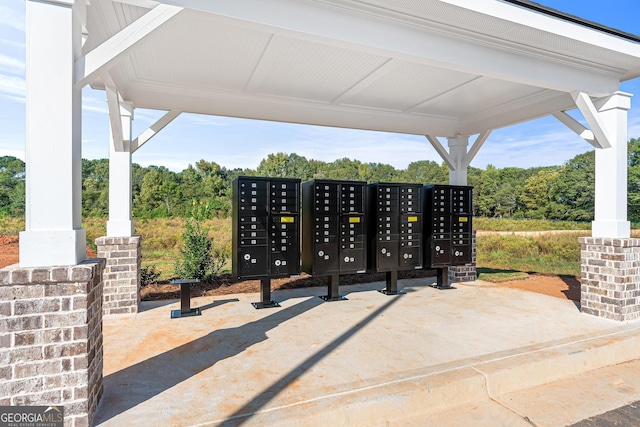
[(320, 253), (278, 262), (247, 257)]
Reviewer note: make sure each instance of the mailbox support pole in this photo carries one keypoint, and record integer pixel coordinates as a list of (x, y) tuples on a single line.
[(392, 284), (333, 288), (265, 296)]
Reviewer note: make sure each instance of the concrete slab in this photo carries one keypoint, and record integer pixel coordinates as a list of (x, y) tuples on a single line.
[(370, 360)]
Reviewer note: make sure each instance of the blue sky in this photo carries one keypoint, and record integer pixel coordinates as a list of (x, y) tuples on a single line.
[(537, 143)]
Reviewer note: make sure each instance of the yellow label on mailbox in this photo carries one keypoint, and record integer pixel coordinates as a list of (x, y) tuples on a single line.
[(463, 219), (412, 219), (354, 219), (288, 219)]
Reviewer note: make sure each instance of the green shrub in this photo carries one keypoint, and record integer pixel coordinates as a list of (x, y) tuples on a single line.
[(198, 257), (148, 275)]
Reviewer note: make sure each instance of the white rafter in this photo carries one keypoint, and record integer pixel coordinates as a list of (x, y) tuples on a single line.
[(154, 129), (108, 53)]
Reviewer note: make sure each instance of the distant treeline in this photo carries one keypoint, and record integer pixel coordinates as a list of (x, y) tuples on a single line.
[(563, 192)]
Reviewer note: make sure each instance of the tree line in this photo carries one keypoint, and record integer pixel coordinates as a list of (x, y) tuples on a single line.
[(563, 192)]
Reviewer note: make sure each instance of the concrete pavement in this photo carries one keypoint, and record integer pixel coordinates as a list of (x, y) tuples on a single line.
[(479, 353)]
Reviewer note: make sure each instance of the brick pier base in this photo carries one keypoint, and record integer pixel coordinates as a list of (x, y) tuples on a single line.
[(122, 273), (51, 338), (465, 273), (610, 278)]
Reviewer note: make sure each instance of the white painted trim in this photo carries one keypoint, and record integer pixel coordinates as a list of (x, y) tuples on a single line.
[(576, 126), (592, 116), (154, 129), (108, 53), (477, 144), (442, 151), (113, 105)]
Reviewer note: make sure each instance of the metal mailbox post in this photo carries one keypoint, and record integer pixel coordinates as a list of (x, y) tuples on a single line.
[(333, 230), (395, 230), (266, 231), (448, 228)]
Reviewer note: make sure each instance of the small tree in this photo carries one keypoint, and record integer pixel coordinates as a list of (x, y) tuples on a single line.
[(198, 259)]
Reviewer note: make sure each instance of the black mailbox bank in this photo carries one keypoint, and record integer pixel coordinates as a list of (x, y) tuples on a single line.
[(333, 230), (266, 231), (395, 230), (448, 228)]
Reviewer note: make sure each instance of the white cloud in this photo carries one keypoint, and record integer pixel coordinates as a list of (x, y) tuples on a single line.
[(11, 64), (14, 86), (14, 16)]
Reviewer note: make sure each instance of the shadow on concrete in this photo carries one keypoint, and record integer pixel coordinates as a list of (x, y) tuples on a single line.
[(574, 285), (138, 383), (244, 414), (216, 303)]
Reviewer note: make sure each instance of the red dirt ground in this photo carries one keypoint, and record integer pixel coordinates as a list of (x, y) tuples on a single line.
[(559, 286)]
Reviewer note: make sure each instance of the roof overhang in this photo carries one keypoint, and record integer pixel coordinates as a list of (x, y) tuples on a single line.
[(439, 67)]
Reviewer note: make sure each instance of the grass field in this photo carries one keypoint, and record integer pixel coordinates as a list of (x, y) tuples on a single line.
[(509, 254)]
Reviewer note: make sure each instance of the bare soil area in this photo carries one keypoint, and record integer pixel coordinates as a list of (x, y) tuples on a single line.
[(559, 286)]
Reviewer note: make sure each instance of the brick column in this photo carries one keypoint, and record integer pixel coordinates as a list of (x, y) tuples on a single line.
[(610, 278), (122, 273), (51, 338), (465, 273)]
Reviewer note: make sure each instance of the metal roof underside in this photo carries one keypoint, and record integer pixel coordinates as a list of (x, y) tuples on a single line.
[(449, 67)]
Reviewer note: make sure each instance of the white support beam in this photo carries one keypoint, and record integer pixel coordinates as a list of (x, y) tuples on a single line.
[(477, 144), (592, 116), (108, 53), (577, 127), (458, 152), (611, 170), (120, 222), (442, 151), (53, 219), (154, 129), (114, 102)]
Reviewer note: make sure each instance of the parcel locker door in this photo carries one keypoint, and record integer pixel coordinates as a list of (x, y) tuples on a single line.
[(440, 252), (387, 255), (326, 259), (410, 257), (253, 261)]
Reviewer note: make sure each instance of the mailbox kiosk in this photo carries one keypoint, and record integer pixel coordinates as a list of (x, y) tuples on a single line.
[(448, 228), (395, 230), (266, 231), (333, 230)]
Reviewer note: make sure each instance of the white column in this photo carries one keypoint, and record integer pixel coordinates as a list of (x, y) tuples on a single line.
[(611, 170), (53, 229), (458, 153), (120, 223)]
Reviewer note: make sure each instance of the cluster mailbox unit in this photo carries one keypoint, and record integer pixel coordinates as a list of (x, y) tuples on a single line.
[(347, 227), (448, 229), (333, 230), (266, 231), (395, 230)]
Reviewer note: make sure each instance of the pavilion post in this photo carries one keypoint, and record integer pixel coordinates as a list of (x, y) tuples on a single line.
[(121, 249), (53, 228), (610, 279), (51, 302), (458, 176)]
